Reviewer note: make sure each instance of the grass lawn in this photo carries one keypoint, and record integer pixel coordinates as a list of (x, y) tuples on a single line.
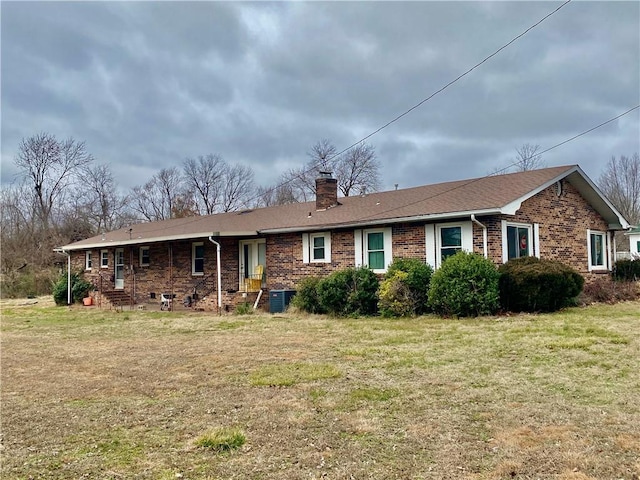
[(160, 395)]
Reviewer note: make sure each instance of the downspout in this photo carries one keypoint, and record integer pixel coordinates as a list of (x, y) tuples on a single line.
[(484, 234), (219, 274)]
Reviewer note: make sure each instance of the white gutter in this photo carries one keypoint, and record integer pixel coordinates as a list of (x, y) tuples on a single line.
[(386, 221), (163, 238), (219, 274), (60, 250), (484, 234)]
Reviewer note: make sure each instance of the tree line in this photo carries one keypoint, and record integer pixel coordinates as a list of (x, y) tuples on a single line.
[(62, 194)]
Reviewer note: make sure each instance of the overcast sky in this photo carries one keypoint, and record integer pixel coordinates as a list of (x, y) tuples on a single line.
[(146, 84)]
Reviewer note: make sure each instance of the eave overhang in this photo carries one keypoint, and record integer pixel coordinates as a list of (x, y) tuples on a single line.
[(140, 240)]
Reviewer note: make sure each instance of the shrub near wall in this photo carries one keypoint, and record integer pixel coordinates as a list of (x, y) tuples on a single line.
[(628, 270), (306, 297), (417, 281), (529, 284), (395, 296), (80, 288), (352, 291), (465, 285)]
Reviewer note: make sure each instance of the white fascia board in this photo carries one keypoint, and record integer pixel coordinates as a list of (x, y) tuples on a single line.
[(386, 221), (166, 238), (241, 233)]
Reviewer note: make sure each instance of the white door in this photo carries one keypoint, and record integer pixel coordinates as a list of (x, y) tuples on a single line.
[(252, 253), (119, 269)]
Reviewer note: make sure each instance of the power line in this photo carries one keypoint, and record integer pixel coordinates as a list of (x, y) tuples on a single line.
[(198, 218), (505, 168), (419, 104), (455, 80)]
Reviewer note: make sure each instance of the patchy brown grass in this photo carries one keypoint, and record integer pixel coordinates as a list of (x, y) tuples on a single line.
[(97, 394)]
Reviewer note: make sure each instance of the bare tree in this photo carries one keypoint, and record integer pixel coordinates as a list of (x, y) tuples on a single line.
[(358, 169), (528, 158), (205, 176), (280, 194), (620, 182), (103, 204), (237, 187), (155, 199), (50, 166)]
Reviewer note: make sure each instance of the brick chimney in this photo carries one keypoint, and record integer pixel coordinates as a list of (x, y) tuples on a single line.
[(326, 191)]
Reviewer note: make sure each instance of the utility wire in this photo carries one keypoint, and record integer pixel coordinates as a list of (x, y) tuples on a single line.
[(455, 80), (198, 218), (419, 104), (502, 169)]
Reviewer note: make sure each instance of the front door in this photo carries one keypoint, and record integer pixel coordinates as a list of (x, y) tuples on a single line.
[(252, 254), (119, 269)]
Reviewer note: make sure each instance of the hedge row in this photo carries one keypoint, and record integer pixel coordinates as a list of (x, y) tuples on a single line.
[(465, 285)]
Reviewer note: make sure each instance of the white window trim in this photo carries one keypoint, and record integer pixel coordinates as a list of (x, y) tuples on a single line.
[(534, 238), (103, 256), (307, 247), (193, 259), (433, 240), (362, 254), (606, 258), (88, 260), (148, 249)]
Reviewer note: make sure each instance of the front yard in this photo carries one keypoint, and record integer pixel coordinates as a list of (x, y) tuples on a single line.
[(105, 395)]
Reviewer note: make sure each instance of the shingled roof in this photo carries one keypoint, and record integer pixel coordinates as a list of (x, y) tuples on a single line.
[(497, 194)]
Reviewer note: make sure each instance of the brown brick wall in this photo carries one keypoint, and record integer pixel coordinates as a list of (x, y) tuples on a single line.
[(408, 241), (563, 221), (285, 267)]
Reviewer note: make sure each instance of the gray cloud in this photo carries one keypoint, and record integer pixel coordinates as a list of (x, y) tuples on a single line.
[(147, 84)]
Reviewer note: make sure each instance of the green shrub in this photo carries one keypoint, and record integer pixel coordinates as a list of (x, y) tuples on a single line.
[(352, 291), (80, 288), (465, 285), (395, 296), (306, 297), (529, 284), (627, 270), (418, 280)]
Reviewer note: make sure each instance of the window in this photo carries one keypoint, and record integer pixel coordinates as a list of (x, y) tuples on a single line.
[(373, 249), (443, 240), (197, 258), (517, 242), (450, 241), (316, 247), (144, 257), (87, 260), (104, 258), (597, 250), (520, 240)]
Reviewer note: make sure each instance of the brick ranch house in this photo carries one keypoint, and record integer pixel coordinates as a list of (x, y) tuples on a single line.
[(221, 260)]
